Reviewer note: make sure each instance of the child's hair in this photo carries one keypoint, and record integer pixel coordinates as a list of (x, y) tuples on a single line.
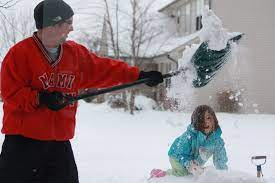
[(197, 118)]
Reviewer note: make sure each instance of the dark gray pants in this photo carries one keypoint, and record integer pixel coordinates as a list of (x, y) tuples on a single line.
[(25, 160)]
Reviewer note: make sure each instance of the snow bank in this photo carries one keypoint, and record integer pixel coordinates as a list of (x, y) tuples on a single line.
[(212, 175), (144, 103)]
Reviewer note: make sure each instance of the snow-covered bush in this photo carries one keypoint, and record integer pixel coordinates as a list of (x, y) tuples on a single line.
[(116, 101), (144, 103)]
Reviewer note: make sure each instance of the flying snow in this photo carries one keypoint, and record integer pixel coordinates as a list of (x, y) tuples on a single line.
[(181, 88)]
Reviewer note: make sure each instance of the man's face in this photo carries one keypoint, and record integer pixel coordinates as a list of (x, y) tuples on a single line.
[(60, 31)]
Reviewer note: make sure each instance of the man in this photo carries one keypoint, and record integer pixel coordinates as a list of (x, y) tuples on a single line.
[(36, 75)]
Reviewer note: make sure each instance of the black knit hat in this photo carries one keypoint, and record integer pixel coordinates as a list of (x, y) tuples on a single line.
[(51, 12)]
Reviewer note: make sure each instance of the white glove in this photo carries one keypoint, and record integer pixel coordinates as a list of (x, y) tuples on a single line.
[(194, 168)]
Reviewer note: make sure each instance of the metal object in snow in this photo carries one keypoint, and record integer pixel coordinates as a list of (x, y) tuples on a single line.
[(258, 161)]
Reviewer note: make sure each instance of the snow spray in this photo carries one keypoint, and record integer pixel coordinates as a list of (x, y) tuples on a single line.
[(212, 32)]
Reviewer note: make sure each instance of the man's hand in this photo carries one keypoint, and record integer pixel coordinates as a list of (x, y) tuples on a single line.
[(155, 77), (52, 100), (195, 169)]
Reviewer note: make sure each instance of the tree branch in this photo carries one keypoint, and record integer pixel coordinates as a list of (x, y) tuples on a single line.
[(8, 4)]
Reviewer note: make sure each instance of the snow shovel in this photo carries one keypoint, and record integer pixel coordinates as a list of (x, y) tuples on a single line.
[(206, 62), (258, 161)]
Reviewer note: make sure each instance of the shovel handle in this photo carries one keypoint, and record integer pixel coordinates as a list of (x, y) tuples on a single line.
[(106, 90), (258, 157), (259, 171), (123, 86), (254, 160), (174, 73), (71, 100)]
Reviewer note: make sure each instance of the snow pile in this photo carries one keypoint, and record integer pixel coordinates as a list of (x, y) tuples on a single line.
[(144, 103), (211, 175)]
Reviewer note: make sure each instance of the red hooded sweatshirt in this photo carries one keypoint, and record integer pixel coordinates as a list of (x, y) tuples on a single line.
[(27, 69)]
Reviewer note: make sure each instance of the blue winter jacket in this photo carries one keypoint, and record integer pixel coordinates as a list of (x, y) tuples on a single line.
[(194, 145)]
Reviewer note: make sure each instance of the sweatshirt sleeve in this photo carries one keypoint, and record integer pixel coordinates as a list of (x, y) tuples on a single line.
[(219, 157), (15, 88), (99, 72), (181, 150)]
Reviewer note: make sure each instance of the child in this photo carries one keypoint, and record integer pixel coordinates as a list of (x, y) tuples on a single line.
[(190, 151)]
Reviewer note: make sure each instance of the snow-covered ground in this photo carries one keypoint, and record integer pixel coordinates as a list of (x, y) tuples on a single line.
[(112, 146)]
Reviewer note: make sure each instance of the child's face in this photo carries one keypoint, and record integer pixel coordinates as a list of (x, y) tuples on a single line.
[(209, 123)]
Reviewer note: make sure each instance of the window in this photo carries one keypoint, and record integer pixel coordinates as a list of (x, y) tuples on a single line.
[(199, 9), (184, 19), (188, 16), (198, 22)]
